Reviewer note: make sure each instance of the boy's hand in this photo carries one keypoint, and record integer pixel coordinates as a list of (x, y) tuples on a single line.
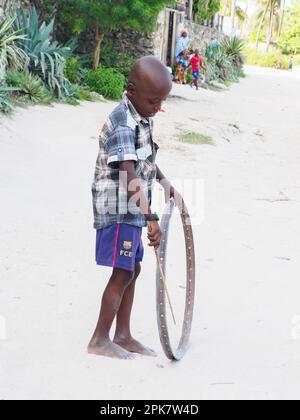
[(154, 234), (170, 192)]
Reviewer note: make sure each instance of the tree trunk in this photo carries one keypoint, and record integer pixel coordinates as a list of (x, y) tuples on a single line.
[(282, 18), (233, 7), (246, 19), (261, 24), (98, 41), (226, 7), (270, 33), (190, 11)]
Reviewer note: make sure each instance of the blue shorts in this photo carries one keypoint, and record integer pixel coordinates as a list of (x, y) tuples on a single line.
[(119, 246), (196, 75)]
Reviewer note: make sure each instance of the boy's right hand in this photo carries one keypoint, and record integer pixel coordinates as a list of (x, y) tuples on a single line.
[(154, 234)]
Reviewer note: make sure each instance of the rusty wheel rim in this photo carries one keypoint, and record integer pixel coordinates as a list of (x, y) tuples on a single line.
[(162, 320)]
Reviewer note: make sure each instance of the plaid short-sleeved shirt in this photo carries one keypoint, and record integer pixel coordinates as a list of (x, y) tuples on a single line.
[(125, 136)]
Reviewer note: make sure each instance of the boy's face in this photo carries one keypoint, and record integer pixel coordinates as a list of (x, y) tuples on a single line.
[(148, 102)]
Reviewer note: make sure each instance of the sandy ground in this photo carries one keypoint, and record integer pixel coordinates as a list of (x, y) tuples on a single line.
[(246, 334)]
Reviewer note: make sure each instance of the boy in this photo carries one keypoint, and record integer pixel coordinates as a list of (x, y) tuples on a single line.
[(197, 63), (124, 177)]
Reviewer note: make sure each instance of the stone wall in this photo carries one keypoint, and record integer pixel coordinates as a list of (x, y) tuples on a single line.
[(201, 36), (131, 42), (138, 45), (9, 4)]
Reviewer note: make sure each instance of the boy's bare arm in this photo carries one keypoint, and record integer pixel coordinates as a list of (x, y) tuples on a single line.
[(134, 188), (165, 183)]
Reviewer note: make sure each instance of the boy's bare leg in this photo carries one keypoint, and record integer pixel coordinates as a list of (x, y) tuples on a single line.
[(100, 343), (123, 335)]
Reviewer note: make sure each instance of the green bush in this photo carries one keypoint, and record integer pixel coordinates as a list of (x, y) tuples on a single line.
[(205, 9), (219, 64), (296, 60), (289, 42), (47, 59), (269, 59), (107, 82), (73, 71), (6, 102), (224, 61), (121, 61), (233, 49), (10, 54), (30, 87), (253, 36)]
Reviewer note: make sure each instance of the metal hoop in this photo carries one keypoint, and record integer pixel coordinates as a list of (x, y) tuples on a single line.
[(190, 284)]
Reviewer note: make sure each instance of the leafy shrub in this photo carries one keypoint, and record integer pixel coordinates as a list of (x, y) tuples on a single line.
[(253, 36), (73, 70), (296, 60), (10, 54), (219, 65), (233, 49), (205, 9), (224, 61), (5, 100), (47, 58), (30, 87), (289, 42), (120, 61), (212, 71), (107, 82), (269, 59)]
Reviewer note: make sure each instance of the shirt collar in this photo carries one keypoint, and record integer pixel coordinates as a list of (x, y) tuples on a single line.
[(136, 116)]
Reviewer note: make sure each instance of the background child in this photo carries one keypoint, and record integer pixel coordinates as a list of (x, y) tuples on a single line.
[(197, 64)]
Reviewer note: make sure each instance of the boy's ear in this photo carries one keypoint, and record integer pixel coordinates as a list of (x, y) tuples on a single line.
[(131, 90)]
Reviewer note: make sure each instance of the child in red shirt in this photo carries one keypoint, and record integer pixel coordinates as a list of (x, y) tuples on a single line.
[(197, 63)]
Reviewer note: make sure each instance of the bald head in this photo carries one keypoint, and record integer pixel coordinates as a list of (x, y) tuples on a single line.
[(149, 83), (149, 73)]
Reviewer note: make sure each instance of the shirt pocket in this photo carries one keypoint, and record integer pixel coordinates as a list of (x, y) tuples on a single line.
[(146, 163), (144, 152)]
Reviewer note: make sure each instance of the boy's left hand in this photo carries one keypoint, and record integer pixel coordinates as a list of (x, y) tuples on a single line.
[(171, 193)]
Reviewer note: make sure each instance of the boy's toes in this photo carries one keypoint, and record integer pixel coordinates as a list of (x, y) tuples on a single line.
[(134, 346)]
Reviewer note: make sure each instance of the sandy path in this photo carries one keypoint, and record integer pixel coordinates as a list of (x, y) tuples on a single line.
[(246, 336)]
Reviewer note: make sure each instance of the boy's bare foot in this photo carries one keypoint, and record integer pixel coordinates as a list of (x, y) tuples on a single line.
[(109, 349), (134, 346)]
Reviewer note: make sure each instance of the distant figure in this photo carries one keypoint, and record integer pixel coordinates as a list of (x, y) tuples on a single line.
[(291, 63), (197, 64), (182, 43), (181, 68)]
